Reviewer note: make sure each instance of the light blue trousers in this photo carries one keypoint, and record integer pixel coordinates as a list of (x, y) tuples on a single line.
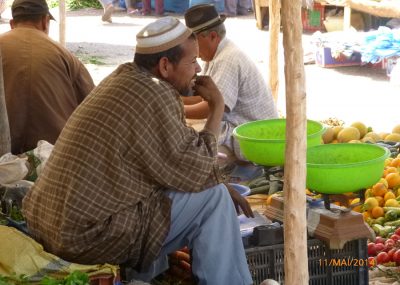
[(207, 223)]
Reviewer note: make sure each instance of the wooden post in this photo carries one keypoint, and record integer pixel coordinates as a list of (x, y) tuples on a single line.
[(295, 229), (346, 17), (274, 30), (5, 138), (62, 22)]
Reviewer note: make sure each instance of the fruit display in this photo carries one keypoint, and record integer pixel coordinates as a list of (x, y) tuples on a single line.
[(358, 132)]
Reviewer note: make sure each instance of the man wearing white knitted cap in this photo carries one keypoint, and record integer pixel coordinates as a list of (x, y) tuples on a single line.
[(128, 182)]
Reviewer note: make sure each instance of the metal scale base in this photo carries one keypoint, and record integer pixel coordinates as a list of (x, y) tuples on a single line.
[(333, 225)]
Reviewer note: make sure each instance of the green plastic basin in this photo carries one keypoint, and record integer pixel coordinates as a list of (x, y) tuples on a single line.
[(347, 167), (263, 142)]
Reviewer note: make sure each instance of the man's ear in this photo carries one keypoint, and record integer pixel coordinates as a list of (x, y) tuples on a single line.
[(45, 23), (12, 25), (214, 35), (164, 67)]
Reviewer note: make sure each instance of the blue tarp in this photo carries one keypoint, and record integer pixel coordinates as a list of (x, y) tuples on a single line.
[(180, 6)]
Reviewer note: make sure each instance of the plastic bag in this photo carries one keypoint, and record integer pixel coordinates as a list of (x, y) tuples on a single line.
[(12, 168)]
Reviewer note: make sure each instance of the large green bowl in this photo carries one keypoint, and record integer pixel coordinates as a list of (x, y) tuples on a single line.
[(347, 167), (263, 142)]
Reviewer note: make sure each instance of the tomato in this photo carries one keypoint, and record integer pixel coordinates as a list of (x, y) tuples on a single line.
[(395, 237), (396, 257), (371, 261), (379, 247), (380, 239), (397, 231), (389, 244), (391, 253), (382, 257), (371, 249)]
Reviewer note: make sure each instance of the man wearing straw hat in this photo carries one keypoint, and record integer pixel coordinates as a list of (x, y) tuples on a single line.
[(246, 95), (128, 182)]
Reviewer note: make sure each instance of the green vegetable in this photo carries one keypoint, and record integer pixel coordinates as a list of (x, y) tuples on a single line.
[(382, 231), (259, 190), (391, 215), (395, 209), (393, 223), (257, 182)]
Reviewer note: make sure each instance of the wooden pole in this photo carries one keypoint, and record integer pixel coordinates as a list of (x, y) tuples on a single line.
[(274, 30), (5, 138), (62, 22), (295, 229)]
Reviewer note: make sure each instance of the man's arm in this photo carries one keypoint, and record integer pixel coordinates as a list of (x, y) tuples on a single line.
[(206, 88), (190, 100), (197, 111)]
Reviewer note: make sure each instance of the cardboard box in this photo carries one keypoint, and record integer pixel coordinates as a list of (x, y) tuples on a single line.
[(323, 57)]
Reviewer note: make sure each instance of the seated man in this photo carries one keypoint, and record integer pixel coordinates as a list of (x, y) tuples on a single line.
[(43, 81), (246, 95), (128, 182)]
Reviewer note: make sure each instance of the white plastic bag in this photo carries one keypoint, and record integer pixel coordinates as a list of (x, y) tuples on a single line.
[(12, 168)]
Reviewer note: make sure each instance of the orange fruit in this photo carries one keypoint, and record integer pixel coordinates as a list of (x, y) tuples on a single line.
[(381, 200), (388, 161), (368, 193), (388, 170), (389, 195), (395, 162), (379, 189), (357, 208), (365, 215), (392, 203), (377, 212), (383, 180), (393, 179), (370, 203)]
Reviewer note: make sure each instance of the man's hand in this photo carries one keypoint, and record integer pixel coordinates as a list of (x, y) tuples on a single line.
[(240, 202), (206, 88)]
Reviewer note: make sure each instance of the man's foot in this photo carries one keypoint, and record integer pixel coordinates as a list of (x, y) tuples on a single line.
[(107, 13), (133, 12)]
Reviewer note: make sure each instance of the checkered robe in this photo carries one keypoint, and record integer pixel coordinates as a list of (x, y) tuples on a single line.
[(100, 197)]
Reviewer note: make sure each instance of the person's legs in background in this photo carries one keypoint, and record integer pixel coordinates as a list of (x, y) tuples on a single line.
[(244, 7), (230, 7), (146, 7), (131, 7), (159, 9), (108, 8)]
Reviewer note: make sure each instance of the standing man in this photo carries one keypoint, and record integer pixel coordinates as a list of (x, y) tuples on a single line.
[(43, 81), (128, 182), (246, 95)]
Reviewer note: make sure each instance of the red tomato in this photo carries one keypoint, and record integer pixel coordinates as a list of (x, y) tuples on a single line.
[(382, 257), (372, 249), (397, 231), (396, 257), (379, 247), (389, 244), (391, 253), (380, 239), (371, 261), (395, 237)]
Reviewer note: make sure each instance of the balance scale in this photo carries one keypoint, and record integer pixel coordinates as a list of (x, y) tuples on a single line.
[(330, 223)]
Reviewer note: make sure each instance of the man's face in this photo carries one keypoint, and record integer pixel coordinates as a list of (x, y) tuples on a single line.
[(187, 68), (206, 46)]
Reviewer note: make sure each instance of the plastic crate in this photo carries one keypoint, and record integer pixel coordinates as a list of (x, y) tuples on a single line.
[(313, 19), (267, 262)]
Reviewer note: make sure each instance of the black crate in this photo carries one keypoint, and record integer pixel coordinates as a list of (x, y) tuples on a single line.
[(325, 266)]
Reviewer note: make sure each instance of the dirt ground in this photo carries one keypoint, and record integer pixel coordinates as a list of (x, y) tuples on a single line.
[(348, 93)]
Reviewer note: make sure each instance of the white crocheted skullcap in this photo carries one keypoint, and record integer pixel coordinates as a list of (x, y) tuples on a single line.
[(161, 35)]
